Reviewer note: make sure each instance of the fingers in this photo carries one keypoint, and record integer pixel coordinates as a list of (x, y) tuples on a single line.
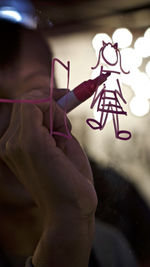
[(31, 123), (76, 154), (51, 111), (46, 118), (13, 127), (58, 93), (9, 141), (5, 115)]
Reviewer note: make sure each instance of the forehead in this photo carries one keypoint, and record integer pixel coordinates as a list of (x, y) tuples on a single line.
[(33, 45), (35, 54), (32, 65)]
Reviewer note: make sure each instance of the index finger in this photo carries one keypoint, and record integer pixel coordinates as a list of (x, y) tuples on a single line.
[(58, 93)]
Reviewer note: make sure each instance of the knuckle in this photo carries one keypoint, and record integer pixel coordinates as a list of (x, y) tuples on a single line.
[(2, 149), (28, 145), (13, 148), (88, 202)]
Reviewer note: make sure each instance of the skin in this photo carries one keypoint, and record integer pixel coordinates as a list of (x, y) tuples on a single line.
[(47, 195)]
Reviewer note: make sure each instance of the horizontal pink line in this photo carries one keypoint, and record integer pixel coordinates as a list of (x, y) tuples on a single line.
[(29, 101)]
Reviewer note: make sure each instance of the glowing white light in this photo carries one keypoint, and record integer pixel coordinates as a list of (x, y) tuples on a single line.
[(141, 85), (11, 15), (147, 33), (29, 21), (147, 68), (98, 39), (95, 72), (142, 46), (123, 37), (111, 83), (129, 79), (130, 58), (139, 107)]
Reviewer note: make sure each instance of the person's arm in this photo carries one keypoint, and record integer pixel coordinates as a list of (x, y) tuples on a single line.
[(57, 174)]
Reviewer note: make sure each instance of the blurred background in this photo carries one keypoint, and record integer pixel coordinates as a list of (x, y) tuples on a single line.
[(75, 30)]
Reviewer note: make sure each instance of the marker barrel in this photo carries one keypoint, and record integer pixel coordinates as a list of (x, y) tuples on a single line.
[(81, 93), (69, 101)]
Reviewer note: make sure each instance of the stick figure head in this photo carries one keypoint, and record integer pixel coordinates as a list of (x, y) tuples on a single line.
[(110, 49), (110, 54)]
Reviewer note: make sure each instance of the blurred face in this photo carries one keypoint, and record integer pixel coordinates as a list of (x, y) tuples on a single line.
[(31, 68), (30, 71)]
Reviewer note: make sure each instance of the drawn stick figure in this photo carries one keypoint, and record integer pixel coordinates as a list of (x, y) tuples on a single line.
[(108, 99)]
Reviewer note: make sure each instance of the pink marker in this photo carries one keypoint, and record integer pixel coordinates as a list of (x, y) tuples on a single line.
[(81, 93)]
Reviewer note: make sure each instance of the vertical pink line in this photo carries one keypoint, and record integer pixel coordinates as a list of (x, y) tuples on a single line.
[(65, 117), (51, 98), (68, 135), (68, 76)]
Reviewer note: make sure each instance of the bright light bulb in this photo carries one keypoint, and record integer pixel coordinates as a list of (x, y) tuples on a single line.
[(123, 37), (96, 72), (19, 12), (111, 82), (141, 85), (142, 46), (11, 15), (98, 38), (147, 33), (139, 107), (147, 68), (129, 79), (130, 58)]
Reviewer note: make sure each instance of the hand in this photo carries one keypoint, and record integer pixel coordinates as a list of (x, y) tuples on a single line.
[(56, 172), (38, 161)]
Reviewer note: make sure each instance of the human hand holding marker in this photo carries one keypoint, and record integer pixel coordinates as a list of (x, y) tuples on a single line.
[(58, 177), (60, 182)]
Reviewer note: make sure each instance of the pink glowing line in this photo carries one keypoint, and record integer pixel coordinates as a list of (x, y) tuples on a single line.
[(49, 99), (67, 68), (118, 132), (51, 96), (12, 101)]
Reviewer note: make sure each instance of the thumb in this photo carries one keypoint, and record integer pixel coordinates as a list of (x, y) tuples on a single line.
[(53, 117)]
